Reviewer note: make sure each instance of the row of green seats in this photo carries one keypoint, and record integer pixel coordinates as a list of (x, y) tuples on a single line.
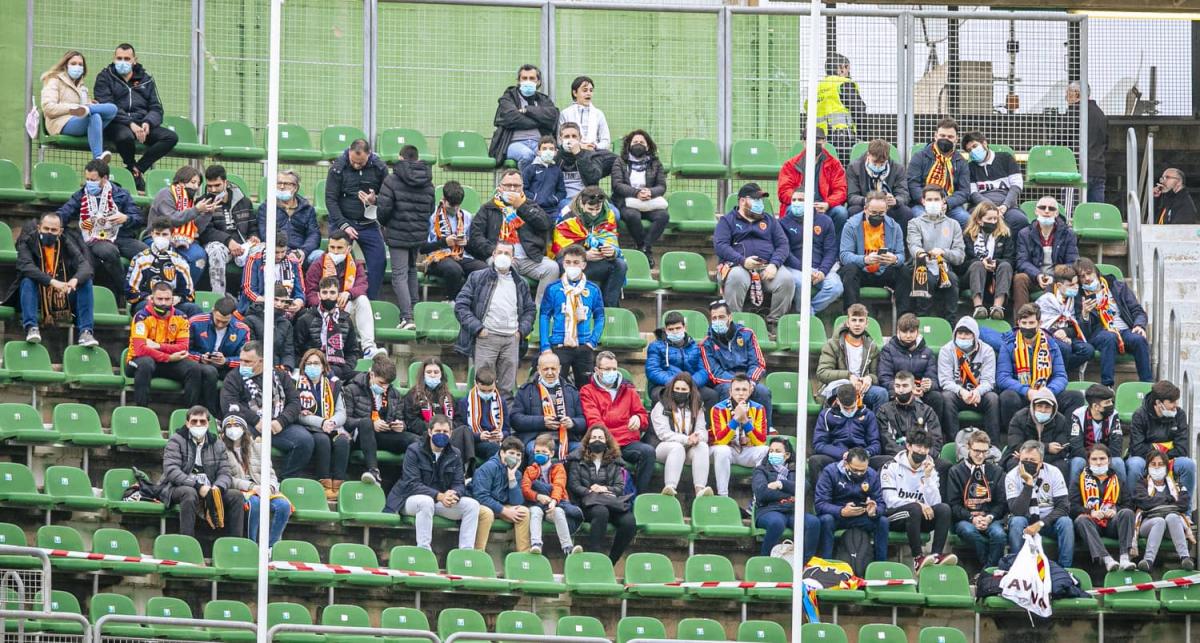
[(883, 633)]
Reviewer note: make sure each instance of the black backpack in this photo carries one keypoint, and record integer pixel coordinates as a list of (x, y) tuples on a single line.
[(143, 490), (855, 548)]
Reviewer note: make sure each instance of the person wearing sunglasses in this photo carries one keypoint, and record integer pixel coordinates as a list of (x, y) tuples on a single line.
[(1049, 242)]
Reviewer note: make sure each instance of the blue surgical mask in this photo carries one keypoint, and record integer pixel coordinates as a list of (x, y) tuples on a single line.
[(757, 206), (440, 440), (432, 382), (283, 195), (776, 459), (1046, 222), (876, 169), (1070, 292), (75, 71), (720, 327), (377, 389), (547, 156), (123, 67), (92, 187), (1092, 286), (849, 412), (796, 210), (676, 337), (964, 344), (528, 88), (487, 396), (1042, 417), (245, 371), (610, 378), (978, 154), (541, 458), (312, 371)]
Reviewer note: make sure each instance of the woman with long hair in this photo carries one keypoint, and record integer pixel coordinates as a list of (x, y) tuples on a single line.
[(243, 454), (429, 396), (67, 108), (323, 413), (991, 255), (678, 421), (639, 187), (596, 477), (1162, 504)]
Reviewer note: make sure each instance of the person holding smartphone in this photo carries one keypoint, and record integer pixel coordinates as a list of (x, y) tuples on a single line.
[(871, 250)]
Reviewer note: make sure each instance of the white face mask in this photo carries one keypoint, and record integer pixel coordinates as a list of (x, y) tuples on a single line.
[(502, 262), (1099, 469), (1158, 473), (573, 272), (934, 209), (337, 257), (161, 243), (197, 432), (234, 433)]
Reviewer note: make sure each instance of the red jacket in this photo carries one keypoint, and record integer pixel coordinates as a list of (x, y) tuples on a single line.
[(831, 184), (312, 278), (599, 407)]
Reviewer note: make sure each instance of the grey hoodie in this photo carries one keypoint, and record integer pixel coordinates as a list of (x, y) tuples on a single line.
[(982, 357), (927, 232)]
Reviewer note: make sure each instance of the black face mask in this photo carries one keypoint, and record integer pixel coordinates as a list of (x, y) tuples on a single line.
[(1029, 333), (47, 238), (597, 447), (987, 227), (637, 150), (680, 398), (328, 304), (161, 310), (856, 478), (944, 146), (904, 398), (191, 193), (1107, 412), (1030, 468), (875, 219), (917, 458)]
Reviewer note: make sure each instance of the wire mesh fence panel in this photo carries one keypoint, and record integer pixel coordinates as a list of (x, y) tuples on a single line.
[(40, 637), (863, 50), (769, 80), (1149, 74), (20, 589)]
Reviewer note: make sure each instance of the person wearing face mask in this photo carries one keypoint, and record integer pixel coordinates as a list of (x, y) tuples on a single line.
[(1042, 421), (851, 356), (329, 329), (729, 349), (233, 231), (352, 298), (871, 250), (967, 375), (1038, 499), (190, 215), (737, 432), (1097, 423), (829, 189), (428, 395), (826, 282), (431, 484), (352, 189), (54, 280), (216, 338), (139, 117), (611, 401), (902, 415), (596, 482), (159, 263), (67, 108), (285, 329), (1029, 360), (323, 412), (1048, 243), (675, 351), (848, 495), (879, 170), (548, 404), (405, 201), (1160, 425), (975, 493), (841, 426), (295, 219), (572, 317), (445, 248), (1163, 504), (523, 115), (195, 466), (581, 167), (995, 178), (751, 248), (543, 176), (495, 310), (244, 457), (907, 351), (678, 421), (590, 223), (929, 284), (593, 126), (774, 484), (510, 218), (242, 395), (1101, 506), (990, 252), (639, 187), (481, 419), (1058, 308), (375, 416), (289, 274), (1173, 201), (544, 486), (911, 491), (1113, 321), (158, 347), (496, 486), (938, 164)]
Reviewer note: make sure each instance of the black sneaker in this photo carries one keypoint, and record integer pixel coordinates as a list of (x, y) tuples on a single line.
[(139, 181)]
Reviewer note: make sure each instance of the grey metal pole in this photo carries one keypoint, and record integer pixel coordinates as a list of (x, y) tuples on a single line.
[(549, 44), (370, 64), (196, 89), (27, 168), (1085, 93)]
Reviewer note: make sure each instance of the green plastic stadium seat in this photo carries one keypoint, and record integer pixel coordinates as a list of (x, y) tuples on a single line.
[(124, 178), (873, 328), (387, 318), (1176, 600), (31, 363), (941, 635), (206, 299), (17, 487), (718, 517), (711, 567), (318, 200), (1052, 165), (392, 140), (479, 571), (118, 542), (646, 571), (362, 503), (579, 626), (784, 391), (1129, 398), (700, 629), (945, 586), (591, 574), (881, 633), (686, 272), (768, 569), (621, 330), (70, 488), (1112, 271), (697, 157), (453, 620), (691, 212), (404, 618), (789, 334), (471, 198), (105, 604), (12, 186), (754, 159), (519, 622), (291, 614), (435, 321), (161, 384), (764, 631), (336, 138), (299, 551), (233, 140), (416, 559), (1098, 222), (308, 500), (62, 602), (170, 607), (63, 537), (1080, 386), (756, 323), (55, 182), (638, 279), (1144, 601), (156, 180), (136, 427), (823, 633), (640, 627), (8, 247), (696, 322), (659, 515), (185, 549), (106, 312), (829, 149), (860, 148), (998, 325), (936, 332), (22, 423), (533, 573), (116, 481), (295, 145), (235, 558), (464, 151), (896, 594), (357, 555), (230, 612), (14, 536), (189, 141)]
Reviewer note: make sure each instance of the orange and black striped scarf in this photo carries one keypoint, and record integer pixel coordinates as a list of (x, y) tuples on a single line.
[(555, 406), (965, 372), (1034, 367), (329, 269), (1093, 499), (55, 306), (1106, 309), (477, 406), (941, 173), (443, 229)]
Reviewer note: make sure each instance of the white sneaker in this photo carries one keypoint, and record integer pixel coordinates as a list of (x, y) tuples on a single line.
[(371, 352), (577, 549), (105, 156), (536, 549), (33, 335), (1126, 564), (1110, 564), (707, 491), (947, 559), (87, 339), (669, 491)]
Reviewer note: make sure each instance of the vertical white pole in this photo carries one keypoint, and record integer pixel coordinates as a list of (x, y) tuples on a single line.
[(268, 299), (815, 41)]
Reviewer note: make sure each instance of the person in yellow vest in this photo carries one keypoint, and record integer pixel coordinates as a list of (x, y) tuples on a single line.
[(839, 105), (737, 431)]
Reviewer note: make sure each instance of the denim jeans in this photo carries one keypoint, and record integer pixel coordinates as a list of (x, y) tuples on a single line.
[(1064, 533), (92, 125), (523, 152), (375, 254), (827, 292), (281, 510), (296, 443), (80, 301), (989, 545), (1136, 345), (1184, 468), (197, 258)]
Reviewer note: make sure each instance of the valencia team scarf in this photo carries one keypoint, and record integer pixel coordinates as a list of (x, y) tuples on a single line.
[(941, 173), (965, 372), (1106, 309), (511, 221), (184, 235), (94, 211), (977, 493), (329, 269), (1093, 499), (317, 397), (447, 408), (55, 306), (593, 233), (477, 406), (555, 405), (443, 229), (920, 282), (574, 310), (1034, 367)]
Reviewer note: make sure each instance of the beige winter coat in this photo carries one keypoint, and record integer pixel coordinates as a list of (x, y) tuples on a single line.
[(60, 95)]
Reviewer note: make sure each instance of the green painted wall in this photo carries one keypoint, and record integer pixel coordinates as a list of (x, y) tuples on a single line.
[(12, 78)]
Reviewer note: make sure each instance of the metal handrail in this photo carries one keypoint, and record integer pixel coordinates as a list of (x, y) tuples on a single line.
[(1149, 200), (14, 550), (27, 615), (523, 638), (98, 628), (1133, 214), (357, 631), (1156, 315)]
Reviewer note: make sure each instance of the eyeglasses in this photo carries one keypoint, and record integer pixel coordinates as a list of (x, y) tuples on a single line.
[(512, 186), (979, 451), (1048, 208)]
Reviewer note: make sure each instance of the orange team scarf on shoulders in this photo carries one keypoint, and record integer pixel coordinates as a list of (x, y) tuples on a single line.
[(941, 173), (1106, 308), (874, 239), (442, 229), (187, 231), (555, 406), (965, 372), (1035, 367), (511, 221), (1092, 499), (329, 269), (477, 406)]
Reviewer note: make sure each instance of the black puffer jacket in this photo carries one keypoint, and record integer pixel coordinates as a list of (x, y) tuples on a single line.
[(76, 261), (360, 402), (341, 348), (405, 203), (137, 100), (343, 185)]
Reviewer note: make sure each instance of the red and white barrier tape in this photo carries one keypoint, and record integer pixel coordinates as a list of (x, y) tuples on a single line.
[(113, 558), (771, 585), (1184, 581), (346, 570)]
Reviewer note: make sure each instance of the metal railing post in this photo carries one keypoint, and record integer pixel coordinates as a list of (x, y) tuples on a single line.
[(1149, 200), (1156, 314), (548, 44), (13, 550)]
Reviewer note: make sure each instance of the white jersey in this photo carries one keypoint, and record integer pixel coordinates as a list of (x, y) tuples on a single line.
[(1047, 485), (902, 485)]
